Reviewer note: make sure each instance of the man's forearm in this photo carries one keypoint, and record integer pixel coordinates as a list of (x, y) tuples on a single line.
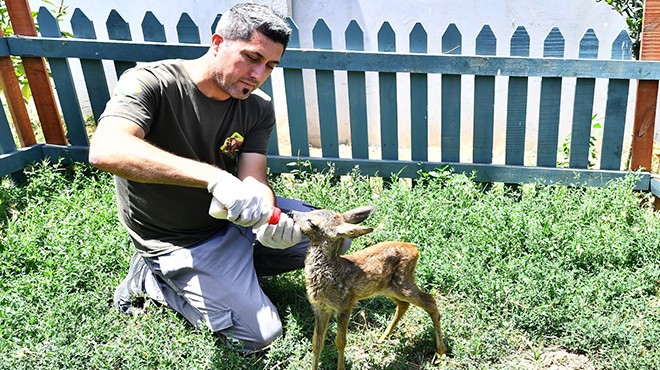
[(133, 158)]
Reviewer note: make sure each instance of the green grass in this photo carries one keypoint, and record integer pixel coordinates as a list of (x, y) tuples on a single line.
[(515, 273)]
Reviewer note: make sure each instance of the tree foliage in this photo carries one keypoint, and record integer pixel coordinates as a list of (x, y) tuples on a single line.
[(633, 10)]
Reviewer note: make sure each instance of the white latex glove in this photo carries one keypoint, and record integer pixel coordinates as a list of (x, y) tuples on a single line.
[(282, 235), (236, 203)]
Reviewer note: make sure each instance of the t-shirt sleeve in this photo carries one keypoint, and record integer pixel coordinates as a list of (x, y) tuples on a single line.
[(134, 98)]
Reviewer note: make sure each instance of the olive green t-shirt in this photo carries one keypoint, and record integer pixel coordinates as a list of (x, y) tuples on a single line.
[(162, 99)]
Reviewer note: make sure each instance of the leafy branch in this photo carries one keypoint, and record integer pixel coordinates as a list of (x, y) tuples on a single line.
[(633, 10)]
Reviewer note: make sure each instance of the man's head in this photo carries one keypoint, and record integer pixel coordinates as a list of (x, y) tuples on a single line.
[(247, 45), (240, 22)]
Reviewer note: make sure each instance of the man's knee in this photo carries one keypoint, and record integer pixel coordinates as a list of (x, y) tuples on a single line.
[(269, 327), (253, 334)]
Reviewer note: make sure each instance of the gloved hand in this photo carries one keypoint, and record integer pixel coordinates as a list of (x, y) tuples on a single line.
[(282, 235), (237, 203)]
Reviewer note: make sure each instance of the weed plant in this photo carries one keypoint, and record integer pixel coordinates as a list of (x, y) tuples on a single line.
[(516, 273)]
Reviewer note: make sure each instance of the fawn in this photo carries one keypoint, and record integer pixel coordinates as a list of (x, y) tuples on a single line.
[(336, 282)]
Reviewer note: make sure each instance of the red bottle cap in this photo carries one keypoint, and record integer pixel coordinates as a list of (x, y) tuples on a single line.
[(275, 216)]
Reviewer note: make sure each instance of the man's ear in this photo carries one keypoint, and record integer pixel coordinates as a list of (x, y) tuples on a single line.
[(217, 39)]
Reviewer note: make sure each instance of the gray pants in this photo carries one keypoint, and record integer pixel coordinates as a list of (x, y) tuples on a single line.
[(214, 284)]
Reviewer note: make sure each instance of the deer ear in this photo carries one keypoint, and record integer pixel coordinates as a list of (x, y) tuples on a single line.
[(352, 231), (359, 214)]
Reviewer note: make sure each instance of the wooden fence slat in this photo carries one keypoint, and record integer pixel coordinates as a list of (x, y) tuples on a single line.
[(647, 91), (37, 75), (419, 99), (616, 107), (325, 91), (516, 116), (614, 124), (63, 80), (450, 140), (357, 96), (7, 143), (583, 107), (389, 133), (484, 102), (548, 134), (15, 104), (152, 29), (118, 29), (93, 73), (187, 31), (295, 97), (273, 143), (643, 126), (215, 24)]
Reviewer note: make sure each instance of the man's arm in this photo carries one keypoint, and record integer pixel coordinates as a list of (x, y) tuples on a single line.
[(118, 146), (252, 170)]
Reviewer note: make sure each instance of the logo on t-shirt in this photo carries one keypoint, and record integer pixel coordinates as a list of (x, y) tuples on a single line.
[(126, 88), (232, 145)]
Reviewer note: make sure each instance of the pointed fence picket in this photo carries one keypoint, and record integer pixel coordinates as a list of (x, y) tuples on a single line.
[(119, 29), (516, 117), (548, 136), (419, 106), (387, 86), (357, 96), (583, 107), (187, 31), (451, 100), (484, 102), (388, 64), (295, 102), (97, 84), (615, 111), (325, 89), (64, 84)]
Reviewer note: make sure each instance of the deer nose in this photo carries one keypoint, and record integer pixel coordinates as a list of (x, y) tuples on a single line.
[(293, 215)]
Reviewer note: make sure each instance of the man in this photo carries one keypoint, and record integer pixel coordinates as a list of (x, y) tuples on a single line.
[(181, 134)]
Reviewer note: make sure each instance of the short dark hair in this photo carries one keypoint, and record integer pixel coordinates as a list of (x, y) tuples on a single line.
[(240, 22)]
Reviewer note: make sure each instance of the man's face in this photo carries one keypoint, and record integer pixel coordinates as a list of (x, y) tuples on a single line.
[(242, 66)]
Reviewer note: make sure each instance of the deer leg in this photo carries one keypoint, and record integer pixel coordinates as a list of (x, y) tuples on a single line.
[(321, 321), (342, 328), (401, 308), (431, 307), (426, 301)]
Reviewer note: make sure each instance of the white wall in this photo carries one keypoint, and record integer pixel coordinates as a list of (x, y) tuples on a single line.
[(203, 12), (573, 17)]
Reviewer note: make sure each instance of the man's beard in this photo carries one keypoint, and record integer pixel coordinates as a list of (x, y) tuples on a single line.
[(232, 89)]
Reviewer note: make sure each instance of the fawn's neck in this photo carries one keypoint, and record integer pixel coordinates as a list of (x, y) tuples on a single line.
[(322, 257)]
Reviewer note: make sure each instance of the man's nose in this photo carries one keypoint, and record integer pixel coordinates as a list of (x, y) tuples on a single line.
[(260, 72)]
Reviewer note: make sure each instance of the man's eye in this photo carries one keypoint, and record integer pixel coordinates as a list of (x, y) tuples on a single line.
[(251, 58)]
